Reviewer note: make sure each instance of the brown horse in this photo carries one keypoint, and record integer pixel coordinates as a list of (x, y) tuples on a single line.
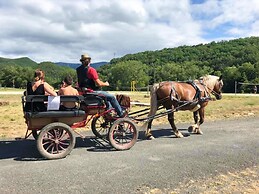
[(193, 96)]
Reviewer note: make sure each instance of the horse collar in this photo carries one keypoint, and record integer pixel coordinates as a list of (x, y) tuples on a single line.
[(198, 91)]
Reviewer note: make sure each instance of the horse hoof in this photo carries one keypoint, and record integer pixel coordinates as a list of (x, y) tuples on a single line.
[(179, 135), (199, 132), (150, 137), (190, 129)]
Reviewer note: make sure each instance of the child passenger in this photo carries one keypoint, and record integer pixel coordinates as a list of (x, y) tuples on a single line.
[(67, 89)]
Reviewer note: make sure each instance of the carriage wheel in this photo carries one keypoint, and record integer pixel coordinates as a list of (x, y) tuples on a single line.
[(123, 134), (100, 126), (55, 141)]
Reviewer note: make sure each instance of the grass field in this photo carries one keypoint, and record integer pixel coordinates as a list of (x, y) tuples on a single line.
[(12, 122)]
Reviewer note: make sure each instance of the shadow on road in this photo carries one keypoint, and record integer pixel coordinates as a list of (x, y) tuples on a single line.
[(26, 149), (19, 150), (163, 133)]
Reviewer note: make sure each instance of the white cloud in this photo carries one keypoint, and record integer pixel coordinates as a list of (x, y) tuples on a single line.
[(237, 12), (52, 30), (232, 17)]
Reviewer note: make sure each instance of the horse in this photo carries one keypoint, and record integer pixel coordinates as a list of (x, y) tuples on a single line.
[(190, 95)]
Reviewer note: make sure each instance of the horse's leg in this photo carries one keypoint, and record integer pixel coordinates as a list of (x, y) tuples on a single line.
[(201, 114), (148, 133), (196, 127), (174, 128), (152, 112), (193, 128)]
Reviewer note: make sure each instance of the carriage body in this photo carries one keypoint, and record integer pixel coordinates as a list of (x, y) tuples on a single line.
[(36, 120), (54, 129)]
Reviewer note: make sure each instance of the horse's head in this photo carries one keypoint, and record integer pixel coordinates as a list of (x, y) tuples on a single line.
[(214, 85), (123, 100), (217, 90)]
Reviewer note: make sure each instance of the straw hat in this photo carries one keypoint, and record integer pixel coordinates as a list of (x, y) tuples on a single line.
[(84, 57)]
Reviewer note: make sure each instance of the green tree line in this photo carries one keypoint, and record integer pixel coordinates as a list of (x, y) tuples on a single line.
[(17, 74), (237, 60)]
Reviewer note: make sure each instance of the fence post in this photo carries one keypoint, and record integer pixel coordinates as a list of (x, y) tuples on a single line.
[(235, 87), (132, 86)]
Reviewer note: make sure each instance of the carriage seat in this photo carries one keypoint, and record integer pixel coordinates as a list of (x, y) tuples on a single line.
[(94, 99), (30, 102), (83, 90), (91, 98)]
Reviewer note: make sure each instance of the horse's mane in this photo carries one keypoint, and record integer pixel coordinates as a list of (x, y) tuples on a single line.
[(209, 80)]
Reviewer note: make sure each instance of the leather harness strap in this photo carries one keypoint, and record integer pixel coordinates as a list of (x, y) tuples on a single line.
[(173, 96), (198, 91)]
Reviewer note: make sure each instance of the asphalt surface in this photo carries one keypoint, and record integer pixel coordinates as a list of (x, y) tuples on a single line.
[(164, 163)]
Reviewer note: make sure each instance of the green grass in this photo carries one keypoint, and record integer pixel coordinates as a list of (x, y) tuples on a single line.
[(4, 89), (231, 106)]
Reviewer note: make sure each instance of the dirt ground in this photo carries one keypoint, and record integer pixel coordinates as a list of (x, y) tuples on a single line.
[(239, 182)]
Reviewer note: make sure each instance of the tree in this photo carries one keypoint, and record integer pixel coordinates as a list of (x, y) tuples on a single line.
[(230, 76), (123, 73), (248, 70)]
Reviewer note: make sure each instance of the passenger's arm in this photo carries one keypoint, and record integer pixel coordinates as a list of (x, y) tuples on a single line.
[(49, 89), (60, 92)]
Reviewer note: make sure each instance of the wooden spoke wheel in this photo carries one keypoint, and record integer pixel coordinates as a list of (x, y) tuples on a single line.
[(56, 140), (100, 126), (123, 134)]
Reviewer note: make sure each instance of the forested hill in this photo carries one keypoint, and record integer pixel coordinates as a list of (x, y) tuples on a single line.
[(23, 61), (17, 72), (215, 54), (237, 60)]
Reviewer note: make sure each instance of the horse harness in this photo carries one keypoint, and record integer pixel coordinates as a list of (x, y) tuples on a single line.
[(174, 97)]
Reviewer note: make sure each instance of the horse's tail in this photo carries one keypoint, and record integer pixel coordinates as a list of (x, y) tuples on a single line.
[(153, 104)]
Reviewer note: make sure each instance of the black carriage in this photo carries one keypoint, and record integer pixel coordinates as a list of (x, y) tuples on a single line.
[(54, 130)]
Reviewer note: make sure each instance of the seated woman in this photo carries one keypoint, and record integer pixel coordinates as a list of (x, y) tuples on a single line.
[(67, 89), (39, 87)]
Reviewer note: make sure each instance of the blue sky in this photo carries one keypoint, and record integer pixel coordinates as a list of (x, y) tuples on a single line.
[(197, 1), (53, 30)]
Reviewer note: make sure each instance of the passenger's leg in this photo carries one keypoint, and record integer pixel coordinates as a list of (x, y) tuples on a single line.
[(115, 104)]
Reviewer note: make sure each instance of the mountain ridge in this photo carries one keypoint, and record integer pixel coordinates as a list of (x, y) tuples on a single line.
[(75, 65), (26, 61)]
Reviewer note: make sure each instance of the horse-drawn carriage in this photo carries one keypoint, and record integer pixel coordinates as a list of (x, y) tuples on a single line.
[(54, 129)]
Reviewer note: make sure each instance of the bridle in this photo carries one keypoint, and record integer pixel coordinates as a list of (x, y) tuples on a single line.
[(213, 92)]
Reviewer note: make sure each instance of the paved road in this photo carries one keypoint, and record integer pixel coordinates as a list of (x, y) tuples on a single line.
[(93, 167)]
